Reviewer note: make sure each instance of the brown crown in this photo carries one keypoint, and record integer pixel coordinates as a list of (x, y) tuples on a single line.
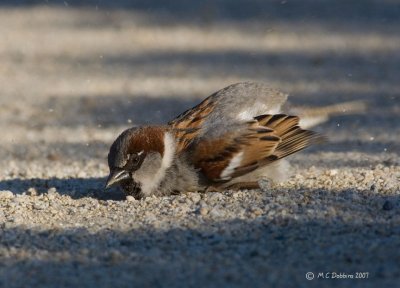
[(147, 139)]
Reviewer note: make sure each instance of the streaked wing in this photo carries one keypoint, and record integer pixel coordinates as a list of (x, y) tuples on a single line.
[(266, 139), (233, 155), (223, 111), (188, 124)]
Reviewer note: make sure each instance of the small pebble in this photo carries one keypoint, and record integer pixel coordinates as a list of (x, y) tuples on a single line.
[(216, 212), (130, 198), (333, 172), (195, 197), (256, 211), (52, 190), (203, 211), (40, 206), (32, 192), (6, 194), (388, 205), (52, 193), (115, 257), (265, 185)]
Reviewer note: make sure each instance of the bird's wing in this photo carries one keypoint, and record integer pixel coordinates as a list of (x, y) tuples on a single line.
[(225, 110), (187, 125), (256, 143)]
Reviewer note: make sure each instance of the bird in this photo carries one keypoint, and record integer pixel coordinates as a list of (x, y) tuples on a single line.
[(230, 141)]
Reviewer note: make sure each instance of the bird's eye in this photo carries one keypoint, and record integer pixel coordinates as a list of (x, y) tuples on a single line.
[(134, 161)]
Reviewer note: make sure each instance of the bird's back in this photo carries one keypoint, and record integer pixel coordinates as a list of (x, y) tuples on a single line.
[(229, 107)]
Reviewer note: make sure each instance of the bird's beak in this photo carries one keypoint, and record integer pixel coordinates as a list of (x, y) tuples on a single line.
[(116, 176)]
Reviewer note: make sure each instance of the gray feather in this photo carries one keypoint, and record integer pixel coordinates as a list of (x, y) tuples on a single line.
[(239, 103)]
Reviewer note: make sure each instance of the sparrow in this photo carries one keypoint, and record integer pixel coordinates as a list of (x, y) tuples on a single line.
[(231, 140)]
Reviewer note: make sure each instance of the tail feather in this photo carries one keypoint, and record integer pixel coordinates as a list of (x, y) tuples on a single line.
[(312, 116)]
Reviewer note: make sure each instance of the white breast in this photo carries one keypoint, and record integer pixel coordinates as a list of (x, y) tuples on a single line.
[(150, 174)]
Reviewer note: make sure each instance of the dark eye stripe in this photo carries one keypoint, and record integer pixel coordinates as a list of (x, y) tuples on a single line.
[(134, 161)]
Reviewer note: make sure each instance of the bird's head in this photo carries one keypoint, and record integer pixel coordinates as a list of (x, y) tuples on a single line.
[(140, 155)]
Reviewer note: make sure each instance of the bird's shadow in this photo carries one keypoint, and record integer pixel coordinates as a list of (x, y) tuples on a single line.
[(76, 188)]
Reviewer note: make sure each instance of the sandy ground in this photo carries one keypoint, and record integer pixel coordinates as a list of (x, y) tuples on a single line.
[(73, 77)]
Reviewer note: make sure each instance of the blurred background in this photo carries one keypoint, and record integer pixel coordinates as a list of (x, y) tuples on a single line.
[(74, 74)]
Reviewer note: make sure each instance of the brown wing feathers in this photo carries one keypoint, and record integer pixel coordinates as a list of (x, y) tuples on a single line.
[(293, 138), (268, 138), (187, 124), (213, 156)]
